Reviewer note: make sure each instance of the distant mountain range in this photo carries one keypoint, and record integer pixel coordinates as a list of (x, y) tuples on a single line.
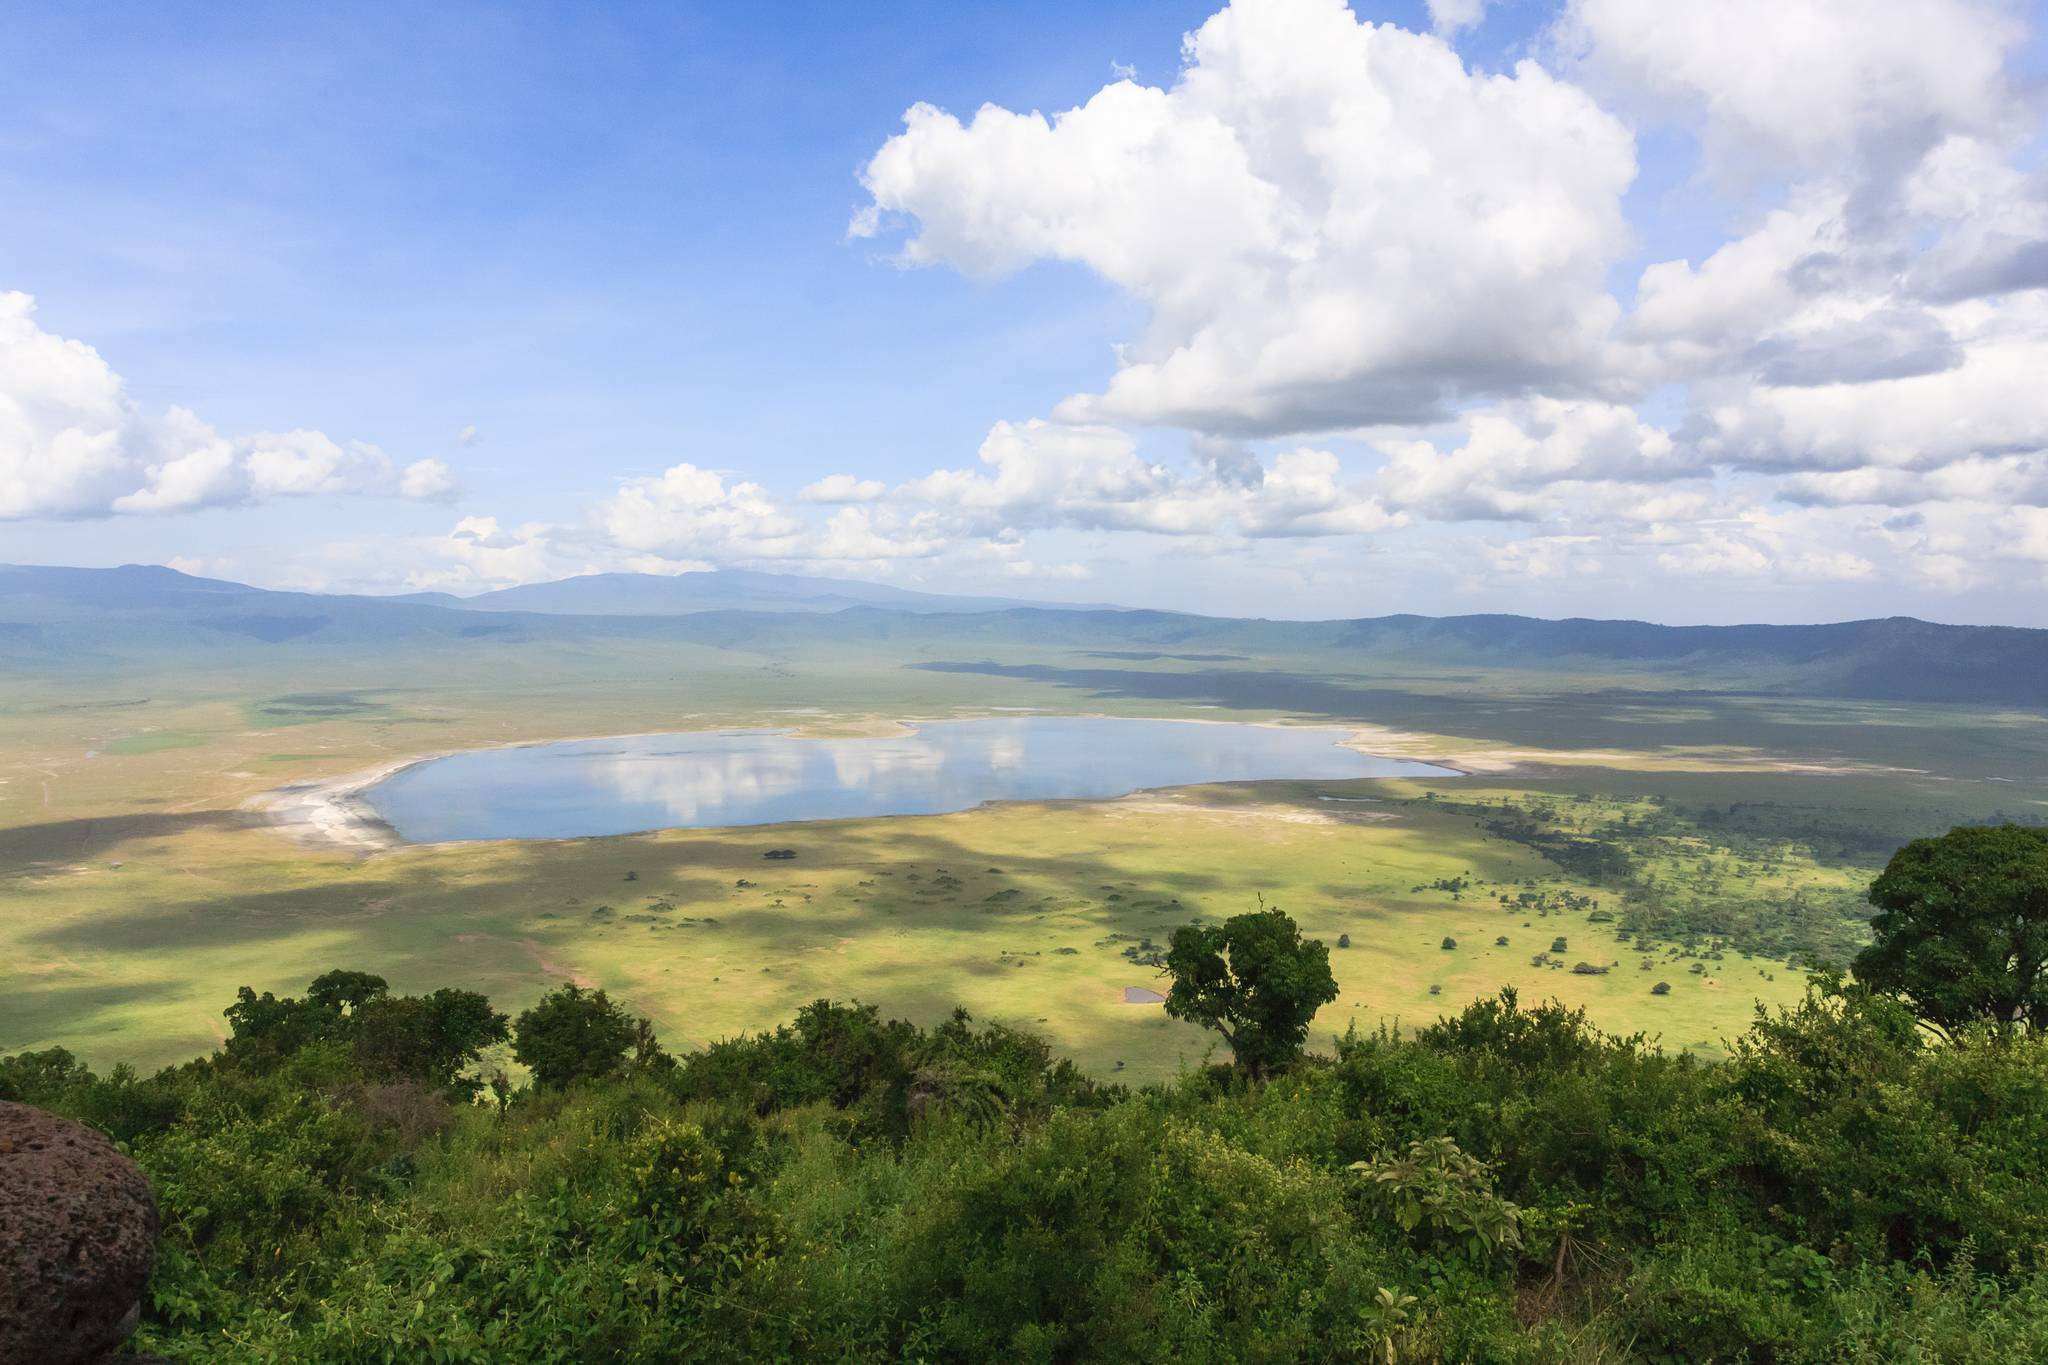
[(54, 620), (640, 594)]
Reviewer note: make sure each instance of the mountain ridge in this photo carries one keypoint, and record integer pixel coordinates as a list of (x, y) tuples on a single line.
[(52, 618), (637, 594)]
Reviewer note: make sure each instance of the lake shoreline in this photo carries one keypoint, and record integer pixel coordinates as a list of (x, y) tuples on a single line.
[(336, 812)]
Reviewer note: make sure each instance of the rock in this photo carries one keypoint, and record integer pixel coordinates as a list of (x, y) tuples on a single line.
[(76, 1243)]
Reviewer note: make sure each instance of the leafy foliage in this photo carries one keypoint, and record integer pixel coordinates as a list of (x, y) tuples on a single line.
[(429, 1038), (1444, 1200), (1508, 1184), (575, 1035), (1962, 927), (1253, 979)]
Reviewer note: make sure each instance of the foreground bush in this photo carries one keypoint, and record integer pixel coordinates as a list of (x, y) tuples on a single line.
[(1508, 1185)]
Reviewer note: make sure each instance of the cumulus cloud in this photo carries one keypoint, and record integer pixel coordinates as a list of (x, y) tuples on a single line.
[(1041, 475), (844, 488), (73, 444), (1801, 86), (1990, 403), (1546, 557), (1333, 223), (1513, 455), (688, 512), (479, 552), (1378, 301), (1448, 16)]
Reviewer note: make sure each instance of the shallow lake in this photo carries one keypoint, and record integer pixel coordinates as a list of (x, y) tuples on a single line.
[(715, 779)]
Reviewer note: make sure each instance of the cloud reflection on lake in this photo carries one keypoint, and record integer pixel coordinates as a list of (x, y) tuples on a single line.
[(716, 779)]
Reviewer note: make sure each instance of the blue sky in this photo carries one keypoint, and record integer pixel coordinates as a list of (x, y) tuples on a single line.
[(557, 253)]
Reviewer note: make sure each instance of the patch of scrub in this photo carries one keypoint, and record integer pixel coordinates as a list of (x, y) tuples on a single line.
[(300, 708)]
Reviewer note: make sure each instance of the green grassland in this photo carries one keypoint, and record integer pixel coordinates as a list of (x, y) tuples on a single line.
[(136, 892)]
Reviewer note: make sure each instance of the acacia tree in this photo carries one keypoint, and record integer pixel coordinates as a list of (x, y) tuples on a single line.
[(1253, 979), (343, 991), (1962, 927)]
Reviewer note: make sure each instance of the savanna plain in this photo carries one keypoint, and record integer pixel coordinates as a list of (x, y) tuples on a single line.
[(1608, 831)]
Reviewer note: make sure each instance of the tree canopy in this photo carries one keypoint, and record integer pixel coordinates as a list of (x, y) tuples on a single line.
[(575, 1035), (426, 1037), (1962, 927), (1253, 979)]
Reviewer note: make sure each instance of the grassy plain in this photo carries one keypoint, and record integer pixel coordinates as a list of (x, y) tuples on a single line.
[(136, 892)]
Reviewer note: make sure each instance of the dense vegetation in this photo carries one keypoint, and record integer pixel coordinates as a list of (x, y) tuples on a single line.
[(1702, 882), (350, 1180)]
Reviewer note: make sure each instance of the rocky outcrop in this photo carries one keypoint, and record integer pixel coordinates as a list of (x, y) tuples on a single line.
[(78, 1228)]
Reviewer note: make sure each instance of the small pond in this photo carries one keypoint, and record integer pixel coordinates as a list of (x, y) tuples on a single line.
[(716, 779)]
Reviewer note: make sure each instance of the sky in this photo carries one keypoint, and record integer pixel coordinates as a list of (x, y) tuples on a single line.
[(1726, 311)]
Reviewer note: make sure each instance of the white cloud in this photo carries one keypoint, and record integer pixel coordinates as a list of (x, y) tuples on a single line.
[(688, 512), (201, 567), (1448, 16), (844, 488), (1091, 477), (1993, 403), (1512, 454), (73, 444), (875, 534), (1336, 227), (478, 552), (1546, 557), (426, 479), (1332, 223), (1801, 86)]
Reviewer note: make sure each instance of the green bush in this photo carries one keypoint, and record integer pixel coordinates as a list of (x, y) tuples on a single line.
[(1507, 1184)]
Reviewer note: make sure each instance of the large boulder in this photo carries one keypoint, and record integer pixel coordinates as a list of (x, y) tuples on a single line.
[(76, 1241)]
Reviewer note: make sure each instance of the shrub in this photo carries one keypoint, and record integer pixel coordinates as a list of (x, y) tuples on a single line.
[(1448, 944), (1445, 1201), (1661, 988)]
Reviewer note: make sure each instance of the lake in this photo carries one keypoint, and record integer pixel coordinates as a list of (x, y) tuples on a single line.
[(716, 779)]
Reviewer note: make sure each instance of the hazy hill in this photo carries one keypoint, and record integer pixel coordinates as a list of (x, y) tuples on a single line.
[(135, 617), (639, 594)]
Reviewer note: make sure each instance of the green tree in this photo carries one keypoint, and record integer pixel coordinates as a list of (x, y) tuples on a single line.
[(575, 1035), (1253, 979), (265, 1029), (1962, 927), (36, 1077), (343, 990), (427, 1038)]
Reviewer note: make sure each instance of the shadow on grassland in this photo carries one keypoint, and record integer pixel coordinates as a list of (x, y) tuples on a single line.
[(1532, 718), (404, 908), (1609, 717), (70, 841)]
